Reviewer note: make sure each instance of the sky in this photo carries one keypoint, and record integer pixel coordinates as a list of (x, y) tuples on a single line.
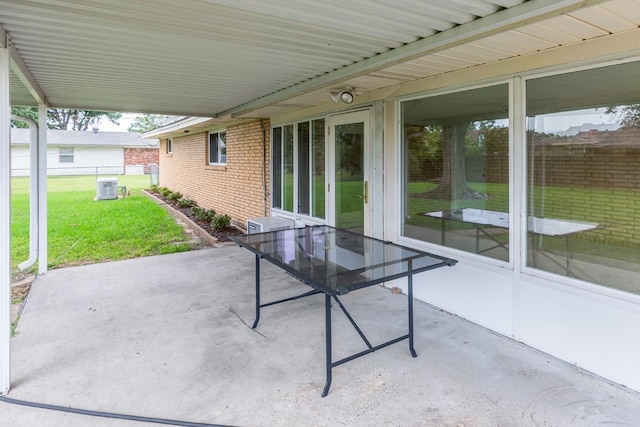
[(125, 122), (558, 122)]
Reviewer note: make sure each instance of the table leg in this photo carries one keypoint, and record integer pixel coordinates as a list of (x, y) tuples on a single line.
[(255, 322), (410, 302), (327, 319)]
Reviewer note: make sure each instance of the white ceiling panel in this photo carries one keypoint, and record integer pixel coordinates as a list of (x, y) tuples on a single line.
[(611, 19), (204, 58)]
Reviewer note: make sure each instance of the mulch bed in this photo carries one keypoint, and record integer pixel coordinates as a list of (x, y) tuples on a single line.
[(221, 234)]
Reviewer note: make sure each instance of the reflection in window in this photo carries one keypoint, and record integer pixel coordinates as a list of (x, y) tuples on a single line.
[(287, 163), (583, 158), (217, 148), (317, 172), (304, 159), (456, 170), (299, 149)]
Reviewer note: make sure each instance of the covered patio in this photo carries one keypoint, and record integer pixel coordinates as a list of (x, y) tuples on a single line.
[(171, 339)]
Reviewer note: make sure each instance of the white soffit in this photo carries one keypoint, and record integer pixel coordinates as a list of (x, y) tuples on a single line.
[(570, 28), (200, 58)]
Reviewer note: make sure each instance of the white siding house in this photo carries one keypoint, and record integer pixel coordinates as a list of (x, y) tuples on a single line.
[(84, 153)]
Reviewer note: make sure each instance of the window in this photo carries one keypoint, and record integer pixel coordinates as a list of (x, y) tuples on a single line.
[(169, 146), (217, 148), (298, 176), (66, 155), (456, 170), (583, 184)]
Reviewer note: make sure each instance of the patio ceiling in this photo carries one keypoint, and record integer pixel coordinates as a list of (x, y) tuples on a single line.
[(254, 58)]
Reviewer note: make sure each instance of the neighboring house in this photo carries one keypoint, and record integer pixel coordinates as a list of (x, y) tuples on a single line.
[(574, 130), (558, 272), (86, 153)]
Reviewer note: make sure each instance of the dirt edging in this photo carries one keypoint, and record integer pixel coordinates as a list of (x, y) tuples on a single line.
[(207, 238)]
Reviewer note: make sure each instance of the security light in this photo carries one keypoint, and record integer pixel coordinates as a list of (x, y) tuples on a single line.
[(346, 95)]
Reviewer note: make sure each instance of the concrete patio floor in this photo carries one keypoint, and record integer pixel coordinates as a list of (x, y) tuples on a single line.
[(168, 337)]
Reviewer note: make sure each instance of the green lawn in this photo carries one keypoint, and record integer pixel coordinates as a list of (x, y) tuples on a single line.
[(82, 230), (614, 210)]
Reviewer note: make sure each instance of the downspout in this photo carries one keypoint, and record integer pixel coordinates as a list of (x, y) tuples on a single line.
[(264, 168), (33, 193)]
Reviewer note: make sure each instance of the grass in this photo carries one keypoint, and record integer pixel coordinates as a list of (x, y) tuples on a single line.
[(612, 209), (83, 231)]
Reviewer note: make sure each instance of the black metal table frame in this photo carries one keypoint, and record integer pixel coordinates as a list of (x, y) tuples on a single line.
[(330, 364)]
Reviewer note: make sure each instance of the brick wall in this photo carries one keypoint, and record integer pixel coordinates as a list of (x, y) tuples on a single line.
[(235, 189), (141, 156), (594, 175)]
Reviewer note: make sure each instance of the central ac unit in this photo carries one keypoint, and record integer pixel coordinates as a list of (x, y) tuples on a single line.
[(107, 189), (269, 223)]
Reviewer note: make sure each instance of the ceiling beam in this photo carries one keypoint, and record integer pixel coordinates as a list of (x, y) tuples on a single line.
[(3, 37), (20, 69), (523, 14)]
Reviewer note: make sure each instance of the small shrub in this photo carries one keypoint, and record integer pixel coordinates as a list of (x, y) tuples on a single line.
[(220, 222), (174, 197), (186, 203), (202, 214), (197, 212), (164, 191), (154, 189)]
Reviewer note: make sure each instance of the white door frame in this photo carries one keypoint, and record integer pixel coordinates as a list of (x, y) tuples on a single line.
[(341, 119)]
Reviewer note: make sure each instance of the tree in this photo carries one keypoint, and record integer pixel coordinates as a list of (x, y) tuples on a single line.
[(146, 122), (66, 119), (454, 141), (630, 114), (28, 112)]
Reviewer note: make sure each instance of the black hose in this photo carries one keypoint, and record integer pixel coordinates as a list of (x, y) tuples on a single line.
[(106, 414)]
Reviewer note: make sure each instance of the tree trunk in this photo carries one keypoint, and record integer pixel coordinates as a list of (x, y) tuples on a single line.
[(453, 185)]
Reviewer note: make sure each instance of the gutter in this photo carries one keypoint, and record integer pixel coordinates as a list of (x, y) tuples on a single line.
[(33, 193)]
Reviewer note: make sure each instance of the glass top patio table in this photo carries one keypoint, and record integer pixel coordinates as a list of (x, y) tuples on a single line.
[(336, 261)]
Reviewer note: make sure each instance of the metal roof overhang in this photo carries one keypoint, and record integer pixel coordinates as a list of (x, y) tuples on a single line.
[(229, 59)]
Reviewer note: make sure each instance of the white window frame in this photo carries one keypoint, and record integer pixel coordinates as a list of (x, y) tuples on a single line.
[(66, 155), (220, 152), (296, 169), (170, 146)]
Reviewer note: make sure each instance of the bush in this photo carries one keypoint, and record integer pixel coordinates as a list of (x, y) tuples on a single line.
[(202, 214), (220, 222), (186, 203), (154, 189), (174, 197), (164, 191)]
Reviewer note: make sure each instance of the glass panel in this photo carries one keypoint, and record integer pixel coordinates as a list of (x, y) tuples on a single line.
[(276, 164), (287, 178), (349, 140), (213, 148), (222, 147), (338, 261), (66, 155), (583, 157), (317, 173), (304, 189), (456, 170)]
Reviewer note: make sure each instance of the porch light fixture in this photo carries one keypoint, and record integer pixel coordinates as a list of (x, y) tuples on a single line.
[(346, 95)]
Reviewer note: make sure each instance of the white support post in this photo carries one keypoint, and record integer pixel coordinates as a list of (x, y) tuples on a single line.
[(42, 189), (5, 218)]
